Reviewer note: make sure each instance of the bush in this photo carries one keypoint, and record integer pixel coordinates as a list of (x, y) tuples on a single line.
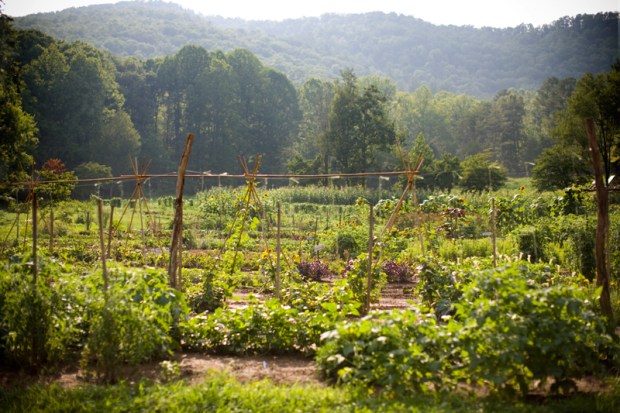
[(356, 274), (261, 328)]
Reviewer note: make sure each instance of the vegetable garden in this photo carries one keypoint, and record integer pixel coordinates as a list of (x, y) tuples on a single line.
[(499, 291)]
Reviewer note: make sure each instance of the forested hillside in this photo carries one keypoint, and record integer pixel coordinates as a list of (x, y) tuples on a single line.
[(479, 62), (70, 104)]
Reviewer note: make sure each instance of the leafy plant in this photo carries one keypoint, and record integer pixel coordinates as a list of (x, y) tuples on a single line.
[(313, 271), (134, 324), (40, 323), (397, 272), (356, 274), (401, 351), (516, 333)]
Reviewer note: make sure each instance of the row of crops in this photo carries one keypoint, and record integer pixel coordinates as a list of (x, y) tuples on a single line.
[(508, 316)]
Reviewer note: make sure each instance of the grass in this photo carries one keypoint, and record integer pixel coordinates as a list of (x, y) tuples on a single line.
[(220, 393)]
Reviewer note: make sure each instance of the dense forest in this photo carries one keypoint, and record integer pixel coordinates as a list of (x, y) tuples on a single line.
[(90, 111), (478, 62)]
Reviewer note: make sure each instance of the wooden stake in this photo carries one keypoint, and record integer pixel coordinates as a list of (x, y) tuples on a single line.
[(371, 222), (177, 225), (34, 238), (110, 230), (601, 250), (102, 245), (51, 229), (278, 252), (493, 232)]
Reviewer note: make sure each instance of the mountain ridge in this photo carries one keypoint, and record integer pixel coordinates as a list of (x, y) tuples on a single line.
[(412, 52)]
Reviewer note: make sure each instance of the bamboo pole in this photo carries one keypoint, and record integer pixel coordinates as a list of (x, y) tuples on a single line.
[(177, 226), (601, 249)]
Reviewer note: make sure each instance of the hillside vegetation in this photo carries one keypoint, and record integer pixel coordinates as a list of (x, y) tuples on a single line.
[(412, 52)]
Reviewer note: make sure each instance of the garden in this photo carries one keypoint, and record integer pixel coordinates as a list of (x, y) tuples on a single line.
[(309, 298)]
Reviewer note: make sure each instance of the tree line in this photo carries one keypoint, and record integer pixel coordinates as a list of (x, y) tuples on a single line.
[(94, 112)]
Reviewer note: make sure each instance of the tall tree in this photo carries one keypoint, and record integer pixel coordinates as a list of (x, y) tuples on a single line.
[(359, 126), (71, 90), (17, 127), (315, 97), (596, 97), (504, 129)]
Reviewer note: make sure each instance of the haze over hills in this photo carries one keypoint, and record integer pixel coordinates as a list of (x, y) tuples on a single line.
[(458, 59)]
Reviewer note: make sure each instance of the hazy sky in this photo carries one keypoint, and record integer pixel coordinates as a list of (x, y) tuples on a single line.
[(478, 13)]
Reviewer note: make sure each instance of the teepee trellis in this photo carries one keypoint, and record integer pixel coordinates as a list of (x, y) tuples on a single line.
[(411, 173), (138, 200), (250, 196)]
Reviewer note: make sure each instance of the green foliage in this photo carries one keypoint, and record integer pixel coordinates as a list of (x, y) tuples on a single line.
[(514, 328), (211, 294), (134, 323), (221, 392), (479, 174), (324, 195), (561, 166), (41, 323), (18, 128), (401, 351), (91, 170), (359, 126), (356, 273), (261, 328), (54, 170), (512, 212), (516, 333), (439, 284)]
